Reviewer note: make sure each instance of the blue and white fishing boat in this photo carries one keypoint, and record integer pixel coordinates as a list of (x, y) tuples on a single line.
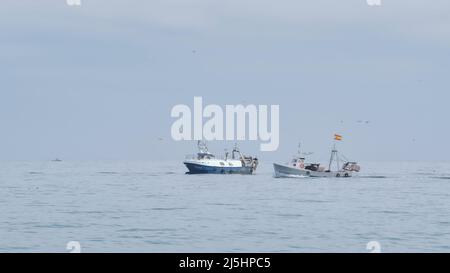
[(205, 162)]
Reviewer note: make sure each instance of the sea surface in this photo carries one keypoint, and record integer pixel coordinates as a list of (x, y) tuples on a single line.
[(155, 207)]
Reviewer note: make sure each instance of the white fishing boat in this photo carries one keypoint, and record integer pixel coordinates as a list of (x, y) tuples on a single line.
[(298, 167), (206, 163)]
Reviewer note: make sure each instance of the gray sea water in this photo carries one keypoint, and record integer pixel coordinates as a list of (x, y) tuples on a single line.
[(155, 207)]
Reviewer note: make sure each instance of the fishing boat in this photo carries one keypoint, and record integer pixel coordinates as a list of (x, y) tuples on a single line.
[(298, 167), (206, 163)]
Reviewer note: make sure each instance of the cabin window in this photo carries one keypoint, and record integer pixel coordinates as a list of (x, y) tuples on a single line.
[(222, 164)]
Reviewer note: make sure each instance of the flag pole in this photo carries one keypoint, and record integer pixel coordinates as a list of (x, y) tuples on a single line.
[(332, 155)]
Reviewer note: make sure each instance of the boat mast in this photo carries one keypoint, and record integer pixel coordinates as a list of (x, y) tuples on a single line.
[(337, 161), (202, 147), (333, 157), (236, 150)]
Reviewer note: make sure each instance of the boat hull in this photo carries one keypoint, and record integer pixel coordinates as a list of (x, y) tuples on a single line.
[(286, 171), (195, 168)]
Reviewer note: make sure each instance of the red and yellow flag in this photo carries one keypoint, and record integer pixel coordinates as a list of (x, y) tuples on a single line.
[(337, 137)]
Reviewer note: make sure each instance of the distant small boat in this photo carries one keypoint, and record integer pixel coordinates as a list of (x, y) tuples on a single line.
[(206, 163), (56, 160), (298, 167)]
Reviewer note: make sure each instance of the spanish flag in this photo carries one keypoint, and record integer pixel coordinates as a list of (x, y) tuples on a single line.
[(337, 137)]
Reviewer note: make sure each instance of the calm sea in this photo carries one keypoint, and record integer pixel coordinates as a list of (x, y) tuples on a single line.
[(155, 207)]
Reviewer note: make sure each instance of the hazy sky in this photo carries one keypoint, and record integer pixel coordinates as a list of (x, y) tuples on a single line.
[(98, 81)]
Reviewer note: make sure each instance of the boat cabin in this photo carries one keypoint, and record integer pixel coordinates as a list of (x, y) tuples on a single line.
[(201, 156), (351, 167)]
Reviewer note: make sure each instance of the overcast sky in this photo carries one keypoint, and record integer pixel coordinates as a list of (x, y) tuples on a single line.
[(98, 81)]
